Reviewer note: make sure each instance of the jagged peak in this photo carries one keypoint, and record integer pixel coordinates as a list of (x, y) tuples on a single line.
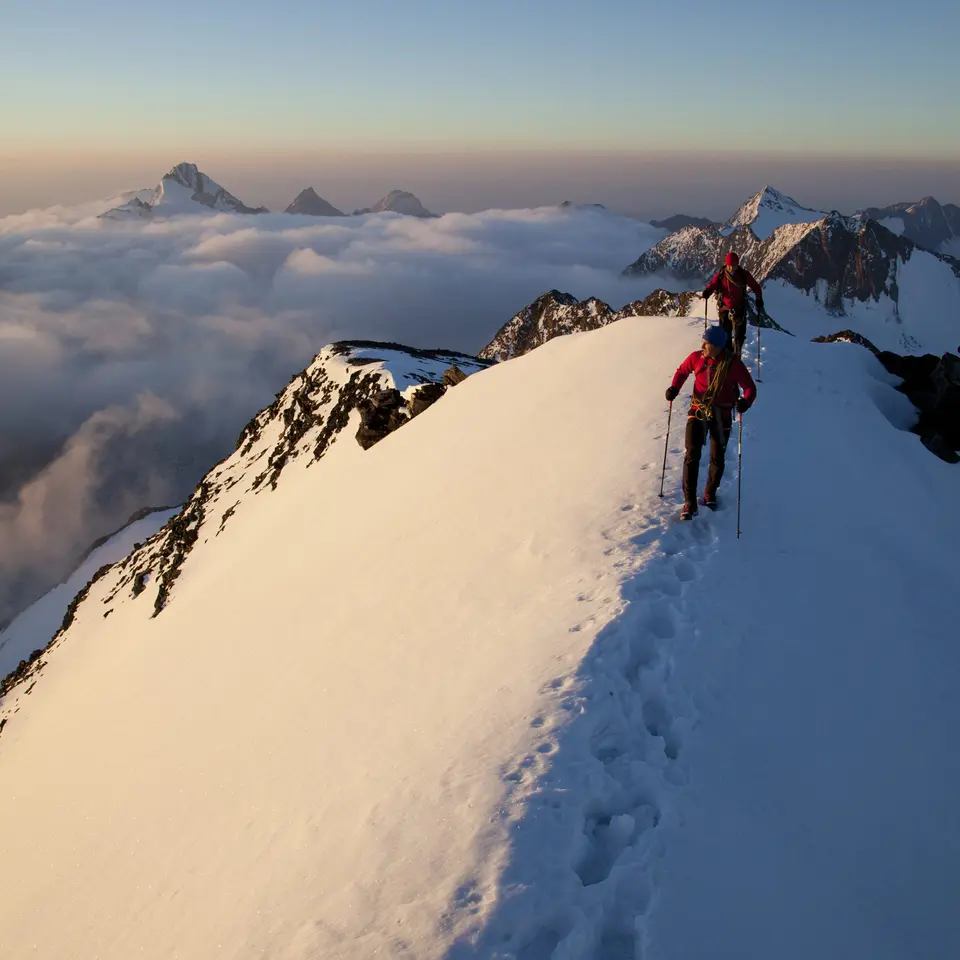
[(186, 173), (182, 189), (308, 201), (769, 209)]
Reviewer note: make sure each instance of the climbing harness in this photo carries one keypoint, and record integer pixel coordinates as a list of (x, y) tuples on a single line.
[(702, 407)]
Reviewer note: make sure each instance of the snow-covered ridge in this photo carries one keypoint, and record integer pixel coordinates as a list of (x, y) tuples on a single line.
[(478, 695), (300, 427), (185, 189)]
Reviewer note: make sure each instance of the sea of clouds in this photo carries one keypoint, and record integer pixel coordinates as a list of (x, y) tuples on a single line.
[(132, 353)]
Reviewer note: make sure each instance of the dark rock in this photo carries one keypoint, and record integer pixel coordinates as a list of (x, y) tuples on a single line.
[(380, 414), (453, 375), (848, 336), (663, 303), (552, 315), (426, 396)]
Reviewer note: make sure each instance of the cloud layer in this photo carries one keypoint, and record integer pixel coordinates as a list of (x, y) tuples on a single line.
[(131, 354)]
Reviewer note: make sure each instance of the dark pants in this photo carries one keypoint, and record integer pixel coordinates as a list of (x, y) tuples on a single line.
[(735, 323), (719, 430)]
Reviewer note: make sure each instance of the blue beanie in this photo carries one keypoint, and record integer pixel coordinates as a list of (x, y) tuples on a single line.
[(717, 336)]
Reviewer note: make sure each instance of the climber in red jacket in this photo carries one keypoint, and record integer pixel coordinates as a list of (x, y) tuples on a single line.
[(719, 378), (730, 285)]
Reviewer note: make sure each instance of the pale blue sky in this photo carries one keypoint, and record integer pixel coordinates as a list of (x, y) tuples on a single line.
[(847, 76)]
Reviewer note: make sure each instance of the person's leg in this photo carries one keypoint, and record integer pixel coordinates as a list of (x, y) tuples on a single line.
[(740, 331), (720, 427), (694, 438), (725, 319)]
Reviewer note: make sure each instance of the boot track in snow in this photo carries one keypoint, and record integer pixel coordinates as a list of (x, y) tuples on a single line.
[(621, 755)]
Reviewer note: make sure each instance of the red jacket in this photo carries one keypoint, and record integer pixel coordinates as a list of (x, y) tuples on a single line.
[(738, 378), (733, 288)]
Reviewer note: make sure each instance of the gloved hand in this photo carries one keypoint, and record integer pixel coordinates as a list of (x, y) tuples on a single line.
[(705, 295), (743, 405), (672, 393), (760, 305)]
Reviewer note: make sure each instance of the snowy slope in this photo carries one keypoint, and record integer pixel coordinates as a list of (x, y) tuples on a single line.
[(474, 694), (33, 628)]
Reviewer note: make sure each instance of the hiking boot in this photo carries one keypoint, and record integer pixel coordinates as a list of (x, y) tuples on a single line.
[(709, 499), (689, 511)]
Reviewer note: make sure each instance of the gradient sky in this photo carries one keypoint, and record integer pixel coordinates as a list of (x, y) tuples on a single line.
[(176, 80)]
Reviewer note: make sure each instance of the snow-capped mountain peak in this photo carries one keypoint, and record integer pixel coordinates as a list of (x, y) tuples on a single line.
[(767, 210), (184, 189), (399, 201)]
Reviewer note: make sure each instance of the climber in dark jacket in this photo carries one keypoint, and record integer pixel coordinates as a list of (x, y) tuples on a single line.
[(730, 285), (718, 379)]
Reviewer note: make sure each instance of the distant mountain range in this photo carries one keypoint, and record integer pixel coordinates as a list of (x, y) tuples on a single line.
[(926, 222), (903, 293), (845, 263), (186, 189)]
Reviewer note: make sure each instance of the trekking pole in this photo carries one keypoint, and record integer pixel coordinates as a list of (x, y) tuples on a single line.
[(739, 466), (758, 348), (705, 301), (666, 443)]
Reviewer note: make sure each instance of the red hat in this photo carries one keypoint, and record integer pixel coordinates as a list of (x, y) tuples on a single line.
[(732, 259)]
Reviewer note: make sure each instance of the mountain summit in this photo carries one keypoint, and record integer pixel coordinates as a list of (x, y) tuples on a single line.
[(184, 189), (767, 210), (399, 201), (309, 202)]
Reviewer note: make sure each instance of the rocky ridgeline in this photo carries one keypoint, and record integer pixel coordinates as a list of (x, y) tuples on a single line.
[(385, 384), (302, 424), (555, 314), (834, 258), (926, 222)]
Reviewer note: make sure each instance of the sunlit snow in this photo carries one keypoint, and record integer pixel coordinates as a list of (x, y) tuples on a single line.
[(475, 693)]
